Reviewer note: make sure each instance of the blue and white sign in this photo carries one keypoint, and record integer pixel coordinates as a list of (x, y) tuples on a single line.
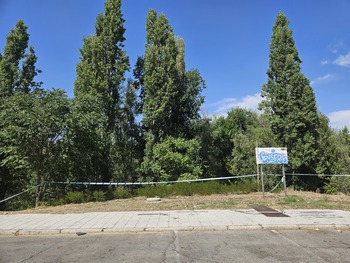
[(271, 155)]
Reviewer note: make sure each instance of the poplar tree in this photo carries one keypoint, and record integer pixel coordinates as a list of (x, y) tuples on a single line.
[(103, 62), (17, 73), (100, 73), (290, 102), (171, 95), (17, 69)]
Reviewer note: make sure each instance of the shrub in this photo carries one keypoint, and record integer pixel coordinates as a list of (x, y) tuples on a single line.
[(160, 190), (338, 184), (120, 193), (99, 196), (173, 158), (75, 197)]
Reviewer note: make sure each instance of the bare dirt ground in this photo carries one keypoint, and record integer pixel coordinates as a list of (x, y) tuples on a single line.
[(294, 200)]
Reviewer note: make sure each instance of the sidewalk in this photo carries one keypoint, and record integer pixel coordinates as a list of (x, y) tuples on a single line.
[(98, 222)]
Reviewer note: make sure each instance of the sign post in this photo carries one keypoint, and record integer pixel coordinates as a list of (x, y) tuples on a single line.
[(284, 180), (272, 156)]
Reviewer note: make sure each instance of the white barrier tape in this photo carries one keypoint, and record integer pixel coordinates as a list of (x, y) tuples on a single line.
[(153, 183), (322, 175), (8, 198), (171, 182), (273, 189)]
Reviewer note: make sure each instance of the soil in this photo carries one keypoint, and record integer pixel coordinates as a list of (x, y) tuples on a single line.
[(294, 200)]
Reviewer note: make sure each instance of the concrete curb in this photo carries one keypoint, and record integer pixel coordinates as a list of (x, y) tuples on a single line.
[(38, 232)]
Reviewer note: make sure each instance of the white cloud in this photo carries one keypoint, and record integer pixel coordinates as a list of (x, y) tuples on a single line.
[(324, 62), (339, 119), (343, 60), (322, 79), (221, 107)]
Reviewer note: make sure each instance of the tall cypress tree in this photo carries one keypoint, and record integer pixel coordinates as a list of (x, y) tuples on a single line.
[(290, 101)]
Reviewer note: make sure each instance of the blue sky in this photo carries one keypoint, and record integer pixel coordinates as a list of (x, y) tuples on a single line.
[(227, 40)]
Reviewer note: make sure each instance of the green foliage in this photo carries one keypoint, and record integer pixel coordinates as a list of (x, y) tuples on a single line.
[(235, 139), (97, 136), (198, 188), (341, 141), (162, 78), (338, 185), (12, 76), (214, 149), (99, 196), (290, 103), (129, 149), (121, 192), (172, 159), (87, 140), (75, 197), (171, 100), (100, 76), (31, 135)]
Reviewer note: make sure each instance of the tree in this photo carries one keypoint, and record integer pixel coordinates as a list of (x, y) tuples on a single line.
[(341, 141), (12, 76), (161, 78), (17, 73), (85, 139), (171, 95), (138, 83), (174, 159), (131, 145), (104, 62), (32, 136), (100, 73), (290, 103)]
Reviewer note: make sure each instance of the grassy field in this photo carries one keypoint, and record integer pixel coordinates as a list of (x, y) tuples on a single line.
[(294, 200)]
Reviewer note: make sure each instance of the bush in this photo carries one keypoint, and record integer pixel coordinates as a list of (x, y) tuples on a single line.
[(159, 190), (338, 184), (120, 193), (75, 197), (173, 158), (99, 196)]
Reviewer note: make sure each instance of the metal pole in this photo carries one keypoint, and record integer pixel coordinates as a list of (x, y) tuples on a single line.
[(262, 180), (284, 180)]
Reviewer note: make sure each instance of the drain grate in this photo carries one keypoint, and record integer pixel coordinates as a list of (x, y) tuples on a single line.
[(267, 211)]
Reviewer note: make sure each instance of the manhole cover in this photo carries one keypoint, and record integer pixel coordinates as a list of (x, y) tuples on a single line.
[(267, 211)]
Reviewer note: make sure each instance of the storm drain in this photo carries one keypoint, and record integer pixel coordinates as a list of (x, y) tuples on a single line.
[(267, 211)]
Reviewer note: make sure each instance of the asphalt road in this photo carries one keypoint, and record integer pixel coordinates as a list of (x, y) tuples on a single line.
[(181, 246)]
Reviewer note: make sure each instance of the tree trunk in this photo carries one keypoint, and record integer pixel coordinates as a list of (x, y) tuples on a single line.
[(38, 190)]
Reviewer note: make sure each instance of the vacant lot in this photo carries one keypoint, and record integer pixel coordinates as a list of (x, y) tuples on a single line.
[(294, 200)]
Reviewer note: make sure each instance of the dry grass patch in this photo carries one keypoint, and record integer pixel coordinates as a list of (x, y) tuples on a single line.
[(294, 200)]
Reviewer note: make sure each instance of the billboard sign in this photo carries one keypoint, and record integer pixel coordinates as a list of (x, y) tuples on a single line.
[(271, 155)]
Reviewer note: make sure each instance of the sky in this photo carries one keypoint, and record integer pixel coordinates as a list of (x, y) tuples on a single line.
[(226, 40)]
